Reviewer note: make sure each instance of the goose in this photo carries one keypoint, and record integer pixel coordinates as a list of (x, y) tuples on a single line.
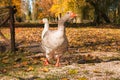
[(55, 42), (46, 26)]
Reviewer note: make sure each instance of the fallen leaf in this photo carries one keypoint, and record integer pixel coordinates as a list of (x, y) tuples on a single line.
[(30, 68), (35, 61), (82, 78), (5, 60), (17, 65), (96, 71), (64, 79), (24, 63), (73, 71), (42, 59), (3, 71), (18, 59), (45, 69)]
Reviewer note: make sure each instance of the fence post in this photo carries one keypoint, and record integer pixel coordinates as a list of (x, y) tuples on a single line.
[(12, 29)]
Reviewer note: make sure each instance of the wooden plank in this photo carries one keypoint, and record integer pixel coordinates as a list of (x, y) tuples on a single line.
[(3, 14), (12, 29), (4, 7)]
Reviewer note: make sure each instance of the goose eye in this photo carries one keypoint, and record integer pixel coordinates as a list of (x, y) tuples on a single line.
[(68, 12)]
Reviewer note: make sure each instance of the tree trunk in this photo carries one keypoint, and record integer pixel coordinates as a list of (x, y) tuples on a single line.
[(96, 17), (99, 14), (106, 18), (114, 16), (119, 9)]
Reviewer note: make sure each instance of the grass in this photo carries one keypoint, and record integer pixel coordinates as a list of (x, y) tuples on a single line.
[(115, 78), (86, 72), (108, 73), (84, 38)]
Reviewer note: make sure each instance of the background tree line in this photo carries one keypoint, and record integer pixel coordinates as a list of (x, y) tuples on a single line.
[(97, 11)]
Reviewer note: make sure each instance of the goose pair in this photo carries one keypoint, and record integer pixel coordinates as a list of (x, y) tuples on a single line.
[(55, 42)]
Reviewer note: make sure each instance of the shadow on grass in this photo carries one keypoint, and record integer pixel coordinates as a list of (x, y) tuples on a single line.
[(31, 78), (84, 58)]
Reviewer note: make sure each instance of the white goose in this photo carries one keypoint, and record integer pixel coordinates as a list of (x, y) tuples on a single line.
[(54, 42)]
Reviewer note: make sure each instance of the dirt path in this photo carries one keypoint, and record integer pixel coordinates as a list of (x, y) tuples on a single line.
[(108, 68)]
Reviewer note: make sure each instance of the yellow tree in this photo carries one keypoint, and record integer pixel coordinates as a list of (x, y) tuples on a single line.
[(17, 3), (80, 7), (45, 6), (59, 7), (4, 3)]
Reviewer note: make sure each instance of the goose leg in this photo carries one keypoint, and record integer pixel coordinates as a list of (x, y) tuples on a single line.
[(46, 63), (57, 62)]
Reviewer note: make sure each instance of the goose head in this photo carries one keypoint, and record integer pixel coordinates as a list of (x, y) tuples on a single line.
[(45, 20), (68, 16)]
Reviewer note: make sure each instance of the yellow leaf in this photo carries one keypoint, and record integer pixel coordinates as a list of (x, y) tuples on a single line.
[(64, 79), (35, 61), (42, 59), (82, 78), (45, 69), (96, 71), (73, 71), (30, 68)]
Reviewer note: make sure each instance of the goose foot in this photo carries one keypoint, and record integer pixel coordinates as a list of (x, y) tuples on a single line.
[(46, 63), (57, 62)]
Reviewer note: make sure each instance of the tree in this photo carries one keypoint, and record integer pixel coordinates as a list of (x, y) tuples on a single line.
[(44, 7), (4, 3), (81, 8), (101, 9), (59, 7), (17, 4), (119, 11), (25, 9)]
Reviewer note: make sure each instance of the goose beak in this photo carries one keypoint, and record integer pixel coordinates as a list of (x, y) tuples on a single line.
[(73, 15)]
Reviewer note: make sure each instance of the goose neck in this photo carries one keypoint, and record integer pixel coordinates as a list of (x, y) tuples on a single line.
[(61, 25)]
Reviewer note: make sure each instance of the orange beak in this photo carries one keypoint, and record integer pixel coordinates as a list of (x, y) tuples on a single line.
[(73, 15)]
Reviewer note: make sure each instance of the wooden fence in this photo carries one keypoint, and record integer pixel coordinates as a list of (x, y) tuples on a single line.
[(7, 16)]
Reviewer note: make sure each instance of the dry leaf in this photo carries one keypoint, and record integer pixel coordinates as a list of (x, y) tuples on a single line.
[(5, 60), (17, 65), (45, 69), (35, 61), (30, 68), (42, 59), (96, 71), (64, 79), (24, 63)]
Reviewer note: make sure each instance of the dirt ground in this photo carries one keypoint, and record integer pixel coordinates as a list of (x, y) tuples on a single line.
[(78, 66)]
